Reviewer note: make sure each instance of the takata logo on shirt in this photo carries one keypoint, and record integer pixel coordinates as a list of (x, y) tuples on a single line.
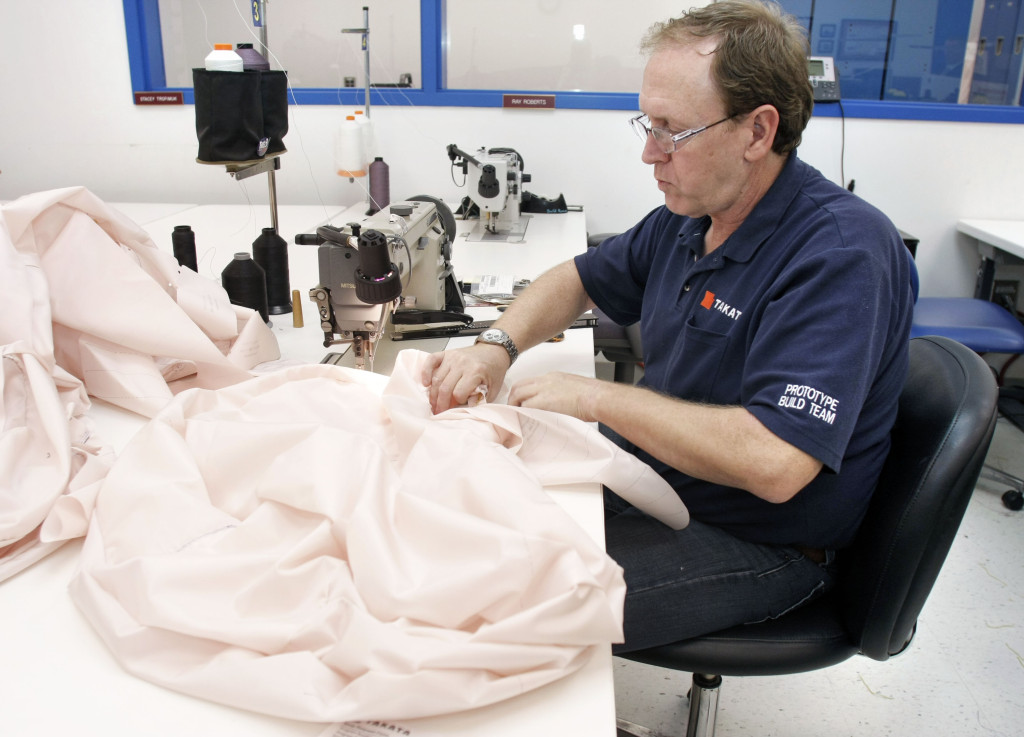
[(711, 303)]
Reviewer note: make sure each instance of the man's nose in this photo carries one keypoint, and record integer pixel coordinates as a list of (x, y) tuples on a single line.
[(652, 153)]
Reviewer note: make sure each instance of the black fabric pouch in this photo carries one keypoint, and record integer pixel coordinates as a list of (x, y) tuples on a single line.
[(240, 116)]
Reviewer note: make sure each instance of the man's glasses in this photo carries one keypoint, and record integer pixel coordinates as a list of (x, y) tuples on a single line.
[(667, 140)]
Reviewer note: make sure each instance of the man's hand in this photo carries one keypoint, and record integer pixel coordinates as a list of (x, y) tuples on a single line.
[(567, 394), (547, 307), (452, 376)]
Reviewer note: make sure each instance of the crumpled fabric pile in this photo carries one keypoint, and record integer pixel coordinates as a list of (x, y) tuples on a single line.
[(309, 542), (90, 307), (355, 557)]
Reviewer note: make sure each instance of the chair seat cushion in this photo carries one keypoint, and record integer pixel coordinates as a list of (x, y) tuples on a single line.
[(808, 638), (982, 326)]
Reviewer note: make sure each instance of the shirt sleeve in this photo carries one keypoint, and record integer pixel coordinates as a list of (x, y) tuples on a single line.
[(817, 351), (614, 274)]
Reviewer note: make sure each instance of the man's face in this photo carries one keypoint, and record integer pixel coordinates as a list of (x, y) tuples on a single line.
[(705, 174)]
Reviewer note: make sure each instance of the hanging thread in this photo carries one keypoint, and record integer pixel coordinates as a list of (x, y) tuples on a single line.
[(270, 251), (246, 284), (183, 241)]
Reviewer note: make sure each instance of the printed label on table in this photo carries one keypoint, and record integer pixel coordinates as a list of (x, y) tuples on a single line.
[(375, 728)]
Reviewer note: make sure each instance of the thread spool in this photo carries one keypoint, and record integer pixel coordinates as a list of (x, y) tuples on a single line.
[(224, 59), (348, 149), (369, 141), (270, 251), (251, 58), (183, 242), (380, 185), (246, 284)]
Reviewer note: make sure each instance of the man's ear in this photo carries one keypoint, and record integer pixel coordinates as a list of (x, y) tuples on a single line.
[(764, 125)]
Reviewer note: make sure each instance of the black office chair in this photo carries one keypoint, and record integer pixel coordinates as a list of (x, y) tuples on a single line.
[(984, 327), (946, 418)]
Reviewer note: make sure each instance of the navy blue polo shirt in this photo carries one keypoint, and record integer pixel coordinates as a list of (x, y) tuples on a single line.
[(802, 316)]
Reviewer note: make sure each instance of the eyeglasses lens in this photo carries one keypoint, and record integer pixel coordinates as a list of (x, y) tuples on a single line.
[(661, 136)]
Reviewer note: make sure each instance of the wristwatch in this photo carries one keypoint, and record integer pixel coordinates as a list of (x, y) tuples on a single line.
[(500, 337)]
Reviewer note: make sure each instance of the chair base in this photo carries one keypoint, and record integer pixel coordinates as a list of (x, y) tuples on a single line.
[(703, 711), (628, 729), (703, 705), (1012, 499)]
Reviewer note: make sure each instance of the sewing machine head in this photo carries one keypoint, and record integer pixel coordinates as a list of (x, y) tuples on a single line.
[(494, 183), (394, 262)]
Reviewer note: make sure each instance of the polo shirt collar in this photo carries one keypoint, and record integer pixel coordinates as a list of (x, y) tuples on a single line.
[(692, 235), (764, 219)]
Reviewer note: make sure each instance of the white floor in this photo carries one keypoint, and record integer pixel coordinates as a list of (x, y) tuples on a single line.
[(963, 674)]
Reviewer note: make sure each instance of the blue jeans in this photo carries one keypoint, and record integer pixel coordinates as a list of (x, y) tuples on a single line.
[(698, 580)]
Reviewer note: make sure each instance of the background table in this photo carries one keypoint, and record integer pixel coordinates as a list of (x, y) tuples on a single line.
[(995, 239)]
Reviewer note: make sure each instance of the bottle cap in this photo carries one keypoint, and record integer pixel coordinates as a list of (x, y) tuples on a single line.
[(222, 47)]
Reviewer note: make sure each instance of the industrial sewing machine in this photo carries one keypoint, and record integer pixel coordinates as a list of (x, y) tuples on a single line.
[(393, 265), (494, 181)]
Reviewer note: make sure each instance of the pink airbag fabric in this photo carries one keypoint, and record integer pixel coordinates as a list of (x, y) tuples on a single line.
[(315, 544)]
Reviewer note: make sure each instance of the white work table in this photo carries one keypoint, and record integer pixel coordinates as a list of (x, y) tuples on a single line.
[(995, 239), (1005, 235), (59, 678)]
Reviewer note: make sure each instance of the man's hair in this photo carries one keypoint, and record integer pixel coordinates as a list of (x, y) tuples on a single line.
[(761, 59)]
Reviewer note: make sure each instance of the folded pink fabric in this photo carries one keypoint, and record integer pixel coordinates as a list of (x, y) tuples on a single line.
[(315, 544), (51, 461), (89, 305)]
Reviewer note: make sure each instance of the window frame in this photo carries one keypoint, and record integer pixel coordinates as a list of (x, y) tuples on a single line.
[(145, 56)]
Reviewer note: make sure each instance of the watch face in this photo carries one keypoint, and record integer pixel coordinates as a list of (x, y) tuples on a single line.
[(491, 335)]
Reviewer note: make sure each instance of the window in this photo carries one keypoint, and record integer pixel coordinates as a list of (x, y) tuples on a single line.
[(911, 59), (547, 45), (918, 50), (307, 36)]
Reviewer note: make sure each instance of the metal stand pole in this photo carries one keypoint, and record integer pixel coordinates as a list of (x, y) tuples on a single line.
[(272, 173), (365, 31)]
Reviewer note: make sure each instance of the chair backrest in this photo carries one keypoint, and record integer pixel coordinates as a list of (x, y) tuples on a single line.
[(947, 414)]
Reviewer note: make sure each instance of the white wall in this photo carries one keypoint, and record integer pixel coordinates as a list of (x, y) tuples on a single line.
[(68, 119)]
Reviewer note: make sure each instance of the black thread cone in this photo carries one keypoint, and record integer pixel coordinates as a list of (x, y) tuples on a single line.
[(270, 251), (183, 241), (245, 283)]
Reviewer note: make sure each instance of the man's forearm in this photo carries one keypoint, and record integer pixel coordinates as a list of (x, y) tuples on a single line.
[(724, 445), (547, 307)]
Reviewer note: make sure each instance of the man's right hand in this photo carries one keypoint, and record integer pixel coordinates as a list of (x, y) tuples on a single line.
[(452, 377)]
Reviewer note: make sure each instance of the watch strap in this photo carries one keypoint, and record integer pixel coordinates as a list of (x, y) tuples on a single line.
[(504, 340)]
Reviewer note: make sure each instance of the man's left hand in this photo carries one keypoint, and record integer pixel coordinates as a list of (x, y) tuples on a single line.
[(567, 394)]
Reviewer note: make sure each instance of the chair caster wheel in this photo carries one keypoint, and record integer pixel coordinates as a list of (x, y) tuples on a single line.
[(1014, 500)]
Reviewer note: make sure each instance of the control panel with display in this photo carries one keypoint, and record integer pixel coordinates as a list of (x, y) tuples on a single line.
[(821, 70)]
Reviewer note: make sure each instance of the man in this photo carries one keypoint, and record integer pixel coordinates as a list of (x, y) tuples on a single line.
[(774, 308)]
